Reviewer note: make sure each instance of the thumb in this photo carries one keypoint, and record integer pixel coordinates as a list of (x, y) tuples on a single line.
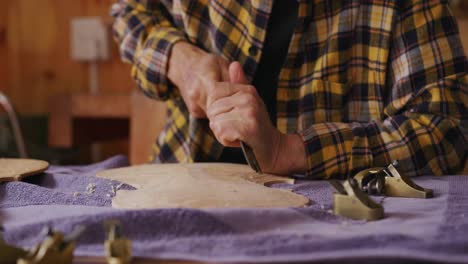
[(236, 73)]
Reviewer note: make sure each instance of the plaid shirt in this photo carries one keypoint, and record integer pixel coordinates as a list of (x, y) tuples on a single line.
[(364, 82)]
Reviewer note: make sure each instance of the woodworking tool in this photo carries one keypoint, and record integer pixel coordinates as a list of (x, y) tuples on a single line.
[(349, 201), (118, 248), (9, 254), (250, 157), (55, 248), (15, 125), (388, 181)]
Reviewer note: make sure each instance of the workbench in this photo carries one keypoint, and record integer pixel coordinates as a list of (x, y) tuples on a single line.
[(414, 230)]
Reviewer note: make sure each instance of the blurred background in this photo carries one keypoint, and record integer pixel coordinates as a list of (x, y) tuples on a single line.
[(60, 68), (75, 99)]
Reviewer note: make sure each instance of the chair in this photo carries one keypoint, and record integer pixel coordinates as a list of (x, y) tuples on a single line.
[(17, 133)]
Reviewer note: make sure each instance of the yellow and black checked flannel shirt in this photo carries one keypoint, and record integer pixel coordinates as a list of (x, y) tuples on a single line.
[(364, 82)]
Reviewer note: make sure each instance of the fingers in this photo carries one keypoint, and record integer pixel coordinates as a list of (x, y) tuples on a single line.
[(239, 123), (199, 100), (244, 98), (231, 127), (225, 71), (236, 73), (202, 92), (199, 75), (224, 89), (233, 109), (225, 131)]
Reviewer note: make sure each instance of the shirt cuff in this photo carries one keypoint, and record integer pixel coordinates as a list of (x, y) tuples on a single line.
[(335, 150), (151, 68)]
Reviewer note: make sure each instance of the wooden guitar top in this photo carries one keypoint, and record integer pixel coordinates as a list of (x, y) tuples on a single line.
[(17, 169), (199, 185)]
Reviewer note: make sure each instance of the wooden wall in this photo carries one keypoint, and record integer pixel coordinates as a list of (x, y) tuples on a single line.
[(3, 51), (35, 52)]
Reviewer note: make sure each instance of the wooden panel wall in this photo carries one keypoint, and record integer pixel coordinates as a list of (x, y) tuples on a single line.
[(3, 51), (35, 52)]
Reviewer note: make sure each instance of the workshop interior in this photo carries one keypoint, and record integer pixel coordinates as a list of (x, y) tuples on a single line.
[(77, 186)]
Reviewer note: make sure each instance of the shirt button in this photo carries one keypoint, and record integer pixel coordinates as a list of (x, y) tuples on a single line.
[(253, 51)]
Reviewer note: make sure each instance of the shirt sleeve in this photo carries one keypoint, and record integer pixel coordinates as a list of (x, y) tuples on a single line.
[(425, 109), (146, 32)]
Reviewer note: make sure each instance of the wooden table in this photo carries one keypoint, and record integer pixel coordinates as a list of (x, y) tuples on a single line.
[(79, 119)]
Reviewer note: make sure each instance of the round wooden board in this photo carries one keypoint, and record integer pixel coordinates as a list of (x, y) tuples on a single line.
[(17, 169), (200, 185)]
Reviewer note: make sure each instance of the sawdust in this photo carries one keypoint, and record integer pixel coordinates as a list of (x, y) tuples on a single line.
[(91, 188)]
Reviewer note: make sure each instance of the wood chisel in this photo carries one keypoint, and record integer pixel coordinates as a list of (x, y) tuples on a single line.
[(250, 157)]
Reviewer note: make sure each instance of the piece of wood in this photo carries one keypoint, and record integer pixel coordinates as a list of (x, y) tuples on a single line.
[(17, 169), (199, 185), (147, 120)]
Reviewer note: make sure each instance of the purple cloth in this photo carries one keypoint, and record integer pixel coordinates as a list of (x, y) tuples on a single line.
[(424, 230)]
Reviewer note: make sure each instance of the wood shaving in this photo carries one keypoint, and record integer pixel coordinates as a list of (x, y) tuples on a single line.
[(91, 188)]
